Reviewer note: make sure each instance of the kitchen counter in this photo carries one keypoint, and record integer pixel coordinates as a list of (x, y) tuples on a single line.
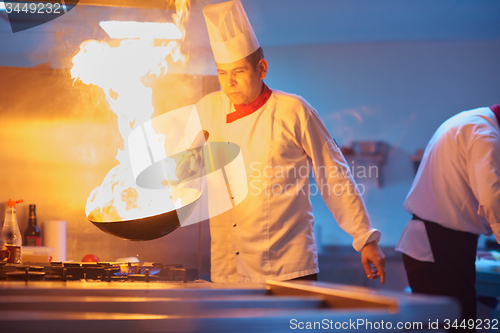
[(86, 306), (488, 274), (488, 283)]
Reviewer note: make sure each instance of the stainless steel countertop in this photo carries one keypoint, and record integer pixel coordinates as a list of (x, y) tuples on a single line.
[(81, 306)]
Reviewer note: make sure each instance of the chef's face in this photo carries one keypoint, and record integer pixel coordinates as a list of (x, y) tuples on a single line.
[(241, 81)]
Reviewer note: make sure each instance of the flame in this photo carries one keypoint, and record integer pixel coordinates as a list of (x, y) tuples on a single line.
[(118, 71), (132, 29), (180, 16)]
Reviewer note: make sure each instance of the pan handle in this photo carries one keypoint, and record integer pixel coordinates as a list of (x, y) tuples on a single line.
[(200, 139)]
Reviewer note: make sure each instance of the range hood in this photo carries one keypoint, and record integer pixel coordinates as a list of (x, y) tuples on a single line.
[(147, 4)]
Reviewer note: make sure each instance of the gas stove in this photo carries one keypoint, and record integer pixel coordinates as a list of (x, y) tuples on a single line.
[(102, 271)]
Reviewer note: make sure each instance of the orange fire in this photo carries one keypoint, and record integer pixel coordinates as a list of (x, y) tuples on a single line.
[(118, 71), (181, 15)]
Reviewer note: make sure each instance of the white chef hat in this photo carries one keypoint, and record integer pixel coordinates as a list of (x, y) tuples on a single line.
[(231, 35)]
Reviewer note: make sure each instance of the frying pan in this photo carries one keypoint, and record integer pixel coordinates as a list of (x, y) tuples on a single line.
[(156, 226)]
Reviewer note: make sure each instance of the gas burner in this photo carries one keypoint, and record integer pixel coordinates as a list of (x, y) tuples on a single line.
[(29, 268), (25, 276), (102, 271), (143, 277)]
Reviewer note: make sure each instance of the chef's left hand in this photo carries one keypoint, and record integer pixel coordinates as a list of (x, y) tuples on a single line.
[(373, 260)]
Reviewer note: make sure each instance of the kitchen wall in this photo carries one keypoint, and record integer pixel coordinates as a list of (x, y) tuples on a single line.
[(396, 92), (59, 140)]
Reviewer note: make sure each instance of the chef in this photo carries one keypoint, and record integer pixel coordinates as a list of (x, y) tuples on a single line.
[(455, 197), (269, 234)]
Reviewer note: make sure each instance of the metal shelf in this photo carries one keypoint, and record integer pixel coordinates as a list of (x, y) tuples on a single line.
[(367, 154)]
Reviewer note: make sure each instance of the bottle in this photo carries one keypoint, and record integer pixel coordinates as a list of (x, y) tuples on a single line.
[(32, 233), (11, 236)]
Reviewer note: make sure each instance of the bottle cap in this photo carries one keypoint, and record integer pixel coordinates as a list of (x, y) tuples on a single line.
[(12, 203)]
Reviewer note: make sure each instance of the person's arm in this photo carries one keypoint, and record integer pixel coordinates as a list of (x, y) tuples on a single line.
[(338, 190), (483, 167)]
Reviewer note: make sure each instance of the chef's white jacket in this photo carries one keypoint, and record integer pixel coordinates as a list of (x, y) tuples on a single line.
[(269, 235), (458, 182)]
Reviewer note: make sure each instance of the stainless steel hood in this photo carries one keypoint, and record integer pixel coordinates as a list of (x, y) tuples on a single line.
[(146, 4)]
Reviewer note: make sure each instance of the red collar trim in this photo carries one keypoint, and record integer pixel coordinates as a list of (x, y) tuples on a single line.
[(496, 110), (243, 110)]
